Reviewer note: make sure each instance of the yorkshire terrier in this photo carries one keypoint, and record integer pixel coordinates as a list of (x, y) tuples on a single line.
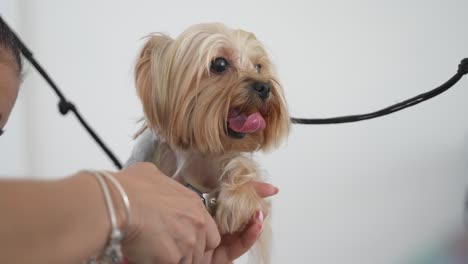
[(211, 98)]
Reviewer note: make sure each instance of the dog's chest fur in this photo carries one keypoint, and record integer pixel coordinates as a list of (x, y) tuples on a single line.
[(199, 170), (202, 171)]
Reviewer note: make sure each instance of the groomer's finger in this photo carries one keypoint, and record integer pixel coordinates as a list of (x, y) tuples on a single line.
[(213, 237), (186, 260), (264, 189), (199, 250)]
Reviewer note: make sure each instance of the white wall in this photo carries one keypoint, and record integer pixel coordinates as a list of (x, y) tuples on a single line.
[(369, 192)]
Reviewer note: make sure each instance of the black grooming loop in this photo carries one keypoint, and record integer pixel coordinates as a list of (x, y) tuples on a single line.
[(65, 106), (462, 70)]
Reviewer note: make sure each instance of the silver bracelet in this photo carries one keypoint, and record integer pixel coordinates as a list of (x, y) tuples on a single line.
[(113, 251), (124, 197)]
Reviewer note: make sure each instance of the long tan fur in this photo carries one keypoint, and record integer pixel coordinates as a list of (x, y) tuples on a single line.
[(186, 106)]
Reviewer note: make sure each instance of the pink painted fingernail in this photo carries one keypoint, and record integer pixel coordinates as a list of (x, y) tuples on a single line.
[(276, 189), (260, 217)]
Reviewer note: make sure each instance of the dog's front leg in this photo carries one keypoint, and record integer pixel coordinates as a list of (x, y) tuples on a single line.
[(238, 201)]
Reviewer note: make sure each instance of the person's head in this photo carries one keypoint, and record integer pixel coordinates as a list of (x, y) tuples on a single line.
[(10, 71)]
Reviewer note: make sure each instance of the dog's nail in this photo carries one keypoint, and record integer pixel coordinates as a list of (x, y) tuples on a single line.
[(259, 216)]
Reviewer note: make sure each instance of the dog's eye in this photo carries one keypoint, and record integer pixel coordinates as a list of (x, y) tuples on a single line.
[(219, 65), (258, 67)]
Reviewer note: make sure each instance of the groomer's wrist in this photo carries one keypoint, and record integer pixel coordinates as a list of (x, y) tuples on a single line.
[(86, 219), (97, 209), (130, 229), (116, 200)]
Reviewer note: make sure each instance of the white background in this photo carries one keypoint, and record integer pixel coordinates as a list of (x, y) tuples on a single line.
[(370, 192)]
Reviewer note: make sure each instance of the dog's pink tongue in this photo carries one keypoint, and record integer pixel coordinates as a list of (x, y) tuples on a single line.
[(247, 124)]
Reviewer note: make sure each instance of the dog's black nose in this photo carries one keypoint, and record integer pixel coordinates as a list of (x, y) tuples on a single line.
[(262, 89)]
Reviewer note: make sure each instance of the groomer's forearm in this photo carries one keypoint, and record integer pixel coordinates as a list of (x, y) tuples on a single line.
[(61, 221)]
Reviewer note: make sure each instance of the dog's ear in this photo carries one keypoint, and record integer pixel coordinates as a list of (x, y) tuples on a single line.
[(147, 74)]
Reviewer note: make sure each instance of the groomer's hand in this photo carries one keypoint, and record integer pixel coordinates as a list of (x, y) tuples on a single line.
[(169, 222)]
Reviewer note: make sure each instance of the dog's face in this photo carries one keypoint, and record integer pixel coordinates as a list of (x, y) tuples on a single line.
[(212, 89)]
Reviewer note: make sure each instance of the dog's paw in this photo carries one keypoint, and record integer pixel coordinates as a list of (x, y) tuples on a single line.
[(237, 207)]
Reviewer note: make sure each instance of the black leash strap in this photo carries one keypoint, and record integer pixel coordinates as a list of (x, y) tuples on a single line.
[(462, 70), (64, 104)]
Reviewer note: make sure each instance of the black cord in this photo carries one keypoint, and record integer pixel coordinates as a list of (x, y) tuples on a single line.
[(462, 70), (64, 105)]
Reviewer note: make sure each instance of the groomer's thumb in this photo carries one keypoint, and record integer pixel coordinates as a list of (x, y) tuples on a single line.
[(264, 189)]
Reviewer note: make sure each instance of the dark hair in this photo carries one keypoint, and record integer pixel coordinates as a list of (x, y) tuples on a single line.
[(9, 42)]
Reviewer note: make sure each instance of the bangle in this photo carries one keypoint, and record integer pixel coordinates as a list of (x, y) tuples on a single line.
[(113, 251), (123, 196)]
